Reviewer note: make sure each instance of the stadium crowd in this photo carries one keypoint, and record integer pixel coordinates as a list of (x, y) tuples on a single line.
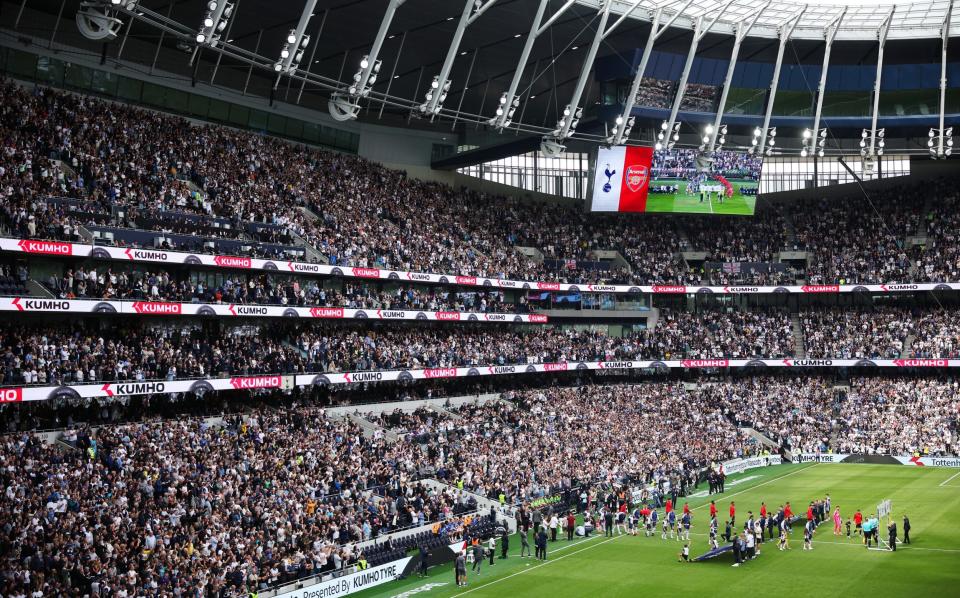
[(49, 354), (37, 354), (880, 333), (175, 508), (170, 175)]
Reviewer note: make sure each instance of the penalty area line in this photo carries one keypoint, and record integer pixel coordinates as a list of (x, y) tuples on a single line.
[(944, 482)]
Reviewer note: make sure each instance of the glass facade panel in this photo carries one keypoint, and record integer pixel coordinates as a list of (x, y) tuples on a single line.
[(794, 173), (565, 175)]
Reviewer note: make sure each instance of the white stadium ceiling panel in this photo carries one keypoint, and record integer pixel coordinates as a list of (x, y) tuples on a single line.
[(862, 19)]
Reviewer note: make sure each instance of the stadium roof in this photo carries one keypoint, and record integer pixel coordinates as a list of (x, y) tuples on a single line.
[(860, 18)]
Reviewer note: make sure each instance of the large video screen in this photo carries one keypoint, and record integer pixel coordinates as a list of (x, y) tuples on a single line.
[(637, 179)]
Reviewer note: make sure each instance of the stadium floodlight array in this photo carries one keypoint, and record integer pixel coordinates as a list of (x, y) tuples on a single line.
[(755, 142), (292, 53), (940, 142), (214, 22), (295, 43), (569, 115), (866, 142), (435, 88), (667, 142), (621, 130), (128, 4), (719, 134), (355, 89), (813, 144), (504, 112), (771, 140)]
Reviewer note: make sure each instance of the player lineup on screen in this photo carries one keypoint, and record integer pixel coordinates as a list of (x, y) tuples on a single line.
[(638, 179)]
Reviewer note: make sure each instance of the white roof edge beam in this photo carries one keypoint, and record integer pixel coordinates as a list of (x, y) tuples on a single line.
[(673, 19), (622, 18)]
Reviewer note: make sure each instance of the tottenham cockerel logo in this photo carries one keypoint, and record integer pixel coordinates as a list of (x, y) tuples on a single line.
[(636, 177)]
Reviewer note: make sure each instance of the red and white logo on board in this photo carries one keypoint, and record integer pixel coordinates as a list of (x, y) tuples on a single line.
[(636, 177)]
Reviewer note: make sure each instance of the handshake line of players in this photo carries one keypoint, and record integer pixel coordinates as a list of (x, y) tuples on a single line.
[(677, 526)]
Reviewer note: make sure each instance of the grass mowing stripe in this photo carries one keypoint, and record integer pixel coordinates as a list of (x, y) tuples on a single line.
[(506, 577)]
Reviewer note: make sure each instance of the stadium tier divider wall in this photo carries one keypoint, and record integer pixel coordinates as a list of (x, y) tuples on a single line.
[(16, 394), (153, 256)]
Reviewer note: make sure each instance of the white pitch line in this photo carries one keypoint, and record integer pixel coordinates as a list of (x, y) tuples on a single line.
[(542, 564), (944, 482), (900, 546)]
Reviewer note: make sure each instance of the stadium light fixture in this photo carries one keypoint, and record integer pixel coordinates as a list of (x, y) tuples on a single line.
[(291, 54), (755, 142), (214, 22), (435, 96), (714, 138), (813, 143), (940, 142)]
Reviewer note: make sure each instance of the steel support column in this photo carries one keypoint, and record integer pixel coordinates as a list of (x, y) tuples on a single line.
[(742, 30), (433, 105), (699, 31), (620, 129), (499, 121), (944, 35), (567, 128), (313, 52), (343, 105), (785, 30), (882, 36), (393, 72), (681, 86), (829, 34), (294, 49)]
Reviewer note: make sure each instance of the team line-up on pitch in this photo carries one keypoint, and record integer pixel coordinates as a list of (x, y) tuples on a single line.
[(287, 381), (154, 256)]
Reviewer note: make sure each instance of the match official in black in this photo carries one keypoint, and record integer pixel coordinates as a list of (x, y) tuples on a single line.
[(892, 539), (906, 529)]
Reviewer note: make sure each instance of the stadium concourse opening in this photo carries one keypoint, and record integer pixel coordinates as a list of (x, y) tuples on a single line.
[(417, 298)]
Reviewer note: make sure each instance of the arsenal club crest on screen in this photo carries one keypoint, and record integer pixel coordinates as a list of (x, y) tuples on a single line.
[(636, 177)]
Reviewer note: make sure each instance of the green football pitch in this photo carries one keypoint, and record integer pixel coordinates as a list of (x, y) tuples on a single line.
[(837, 566), (680, 202)]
